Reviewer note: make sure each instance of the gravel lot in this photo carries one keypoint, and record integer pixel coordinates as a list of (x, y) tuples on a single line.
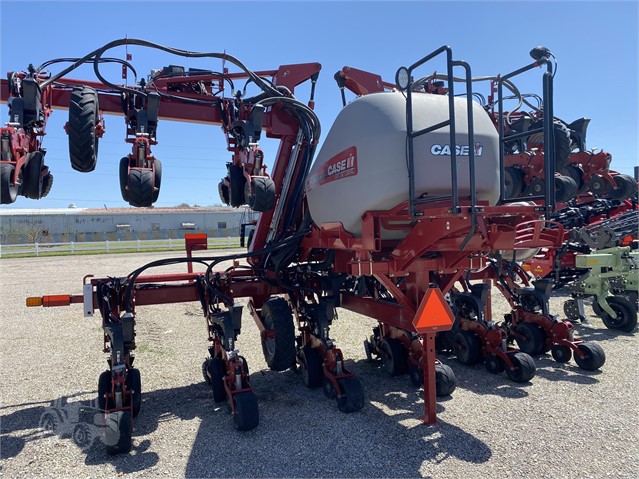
[(565, 423)]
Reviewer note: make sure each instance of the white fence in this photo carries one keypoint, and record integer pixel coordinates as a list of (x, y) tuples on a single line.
[(98, 247)]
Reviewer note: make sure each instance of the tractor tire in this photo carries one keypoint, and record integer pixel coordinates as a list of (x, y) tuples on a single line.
[(279, 351), (525, 368), (157, 176), (263, 194), (247, 412), (625, 188), (594, 356), (32, 178), (467, 347), (565, 188), (124, 178), (134, 383), (395, 357), (533, 339), (8, 189), (352, 399), (562, 141), (626, 319), (513, 182), (84, 115), (140, 187), (312, 370), (117, 433)]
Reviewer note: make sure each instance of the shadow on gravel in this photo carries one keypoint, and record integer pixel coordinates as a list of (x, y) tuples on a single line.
[(301, 432)]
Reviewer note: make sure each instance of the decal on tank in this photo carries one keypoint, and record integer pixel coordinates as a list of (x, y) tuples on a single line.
[(461, 150), (342, 165)]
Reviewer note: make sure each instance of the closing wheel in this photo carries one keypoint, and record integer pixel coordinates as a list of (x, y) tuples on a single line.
[(117, 432), (134, 383), (494, 364), (530, 338), (236, 189), (8, 189), (329, 389), (513, 182), (565, 188), (525, 368), (263, 194), (571, 310), (561, 353), (83, 117), (394, 357), (536, 187), (215, 372), (367, 350), (576, 173), (278, 349), (467, 347), (157, 176), (445, 380), (352, 398), (312, 371), (625, 187), (597, 185), (104, 386), (626, 319), (247, 412), (594, 356), (140, 190), (32, 178), (124, 178)]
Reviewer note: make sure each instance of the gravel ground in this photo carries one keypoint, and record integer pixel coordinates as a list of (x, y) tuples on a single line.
[(565, 423)]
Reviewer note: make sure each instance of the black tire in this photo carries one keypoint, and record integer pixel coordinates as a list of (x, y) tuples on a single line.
[(536, 187), (104, 386), (597, 186), (467, 347), (124, 178), (562, 141), (594, 356), (117, 432), (445, 380), (263, 194), (236, 190), (279, 351), (157, 167), (571, 310), (525, 368), (395, 357), (215, 375), (134, 383), (32, 178), (247, 412), (576, 173), (625, 187), (47, 184), (82, 436), (560, 353), (83, 117), (312, 370), (533, 340), (8, 189), (596, 308), (352, 399), (140, 187), (494, 364), (328, 389), (626, 319), (513, 182), (565, 188)]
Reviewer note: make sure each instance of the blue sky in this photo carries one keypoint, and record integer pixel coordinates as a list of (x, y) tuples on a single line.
[(596, 43)]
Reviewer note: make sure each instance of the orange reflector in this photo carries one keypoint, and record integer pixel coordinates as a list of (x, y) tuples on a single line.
[(34, 301), (433, 314), (56, 300)]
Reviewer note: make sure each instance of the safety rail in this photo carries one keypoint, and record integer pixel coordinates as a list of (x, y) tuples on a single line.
[(105, 247)]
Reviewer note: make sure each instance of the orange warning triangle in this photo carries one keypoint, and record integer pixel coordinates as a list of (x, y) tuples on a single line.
[(433, 313)]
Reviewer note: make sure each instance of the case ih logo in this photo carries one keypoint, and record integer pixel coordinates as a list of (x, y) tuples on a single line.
[(462, 150), (342, 165)]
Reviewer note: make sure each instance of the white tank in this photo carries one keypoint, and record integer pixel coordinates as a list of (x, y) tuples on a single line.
[(362, 164)]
